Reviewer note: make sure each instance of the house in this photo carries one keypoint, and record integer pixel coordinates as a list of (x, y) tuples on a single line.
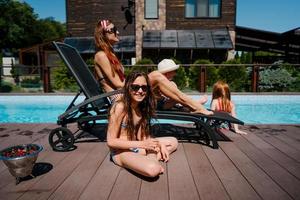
[(184, 29)]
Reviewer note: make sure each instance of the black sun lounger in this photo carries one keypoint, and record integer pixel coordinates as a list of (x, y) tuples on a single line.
[(96, 104)]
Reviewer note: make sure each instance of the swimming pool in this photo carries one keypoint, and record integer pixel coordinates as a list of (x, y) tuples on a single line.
[(252, 109)]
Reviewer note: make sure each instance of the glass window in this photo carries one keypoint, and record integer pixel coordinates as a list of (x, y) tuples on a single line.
[(202, 8), (151, 9)]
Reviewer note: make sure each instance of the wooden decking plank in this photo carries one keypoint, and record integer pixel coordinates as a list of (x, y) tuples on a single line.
[(286, 162), (73, 186), (292, 142), (234, 182), (293, 131), (157, 189), (27, 134), (127, 186), (52, 180), (208, 183), (11, 191), (289, 151), (14, 133), (280, 175), (102, 182), (181, 183), (260, 181)]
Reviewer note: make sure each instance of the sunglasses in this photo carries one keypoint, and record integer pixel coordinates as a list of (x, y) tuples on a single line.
[(136, 88), (113, 30)]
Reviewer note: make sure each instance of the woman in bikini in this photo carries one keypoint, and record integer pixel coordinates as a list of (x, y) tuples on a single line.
[(111, 73), (128, 133)]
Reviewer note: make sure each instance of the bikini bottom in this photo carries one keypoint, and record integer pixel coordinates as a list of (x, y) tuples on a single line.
[(113, 153)]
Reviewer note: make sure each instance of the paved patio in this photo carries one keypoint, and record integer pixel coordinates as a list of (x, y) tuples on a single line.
[(265, 164)]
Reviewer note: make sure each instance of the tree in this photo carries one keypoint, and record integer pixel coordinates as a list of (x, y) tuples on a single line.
[(16, 22), (20, 27)]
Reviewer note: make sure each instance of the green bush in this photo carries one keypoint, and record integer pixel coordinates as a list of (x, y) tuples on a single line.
[(181, 78), (6, 87), (194, 72), (279, 78), (63, 80), (235, 76), (138, 67), (31, 82)]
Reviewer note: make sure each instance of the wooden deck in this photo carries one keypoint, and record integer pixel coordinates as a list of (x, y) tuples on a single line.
[(265, 164)]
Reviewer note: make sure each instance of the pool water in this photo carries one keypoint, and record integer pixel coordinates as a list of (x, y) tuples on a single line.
[(252, 109)]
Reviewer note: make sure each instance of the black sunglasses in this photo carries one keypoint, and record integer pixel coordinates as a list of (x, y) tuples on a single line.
[(112, 30), (136, 88)]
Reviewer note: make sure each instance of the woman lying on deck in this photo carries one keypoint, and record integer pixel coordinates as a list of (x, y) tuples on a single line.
[(111, 73), (128, 134)]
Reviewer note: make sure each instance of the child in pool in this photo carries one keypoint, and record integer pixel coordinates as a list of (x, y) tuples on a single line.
[(221, 101)]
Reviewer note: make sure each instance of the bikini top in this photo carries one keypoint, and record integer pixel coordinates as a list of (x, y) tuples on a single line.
[(123, 125)]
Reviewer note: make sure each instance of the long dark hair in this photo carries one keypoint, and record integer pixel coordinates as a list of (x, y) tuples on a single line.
[(146, 107)]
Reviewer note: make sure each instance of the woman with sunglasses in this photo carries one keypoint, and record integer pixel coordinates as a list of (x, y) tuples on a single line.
[(111, 73), (128, 133)]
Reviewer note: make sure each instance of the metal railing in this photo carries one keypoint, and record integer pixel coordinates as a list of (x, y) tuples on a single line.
[(45, 73)]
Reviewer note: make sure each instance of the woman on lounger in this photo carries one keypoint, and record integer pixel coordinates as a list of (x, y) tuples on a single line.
[(128, 134), (111, 73)]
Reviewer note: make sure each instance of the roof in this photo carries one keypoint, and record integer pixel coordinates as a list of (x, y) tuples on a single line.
[(249, 39), (86, 45), (188, 39), (168, 39)]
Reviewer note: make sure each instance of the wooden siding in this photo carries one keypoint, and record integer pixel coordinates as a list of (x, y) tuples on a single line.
[(176, 17), (82, 16)]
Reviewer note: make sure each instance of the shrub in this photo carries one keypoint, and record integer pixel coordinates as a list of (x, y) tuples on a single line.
[(63, 80), (194, 73), (235, 76), (6, 87), (138, 67), (180, 78), (278, 78), (31, 82)]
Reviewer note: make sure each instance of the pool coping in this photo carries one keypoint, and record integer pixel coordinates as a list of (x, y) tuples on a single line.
[(189, 93)]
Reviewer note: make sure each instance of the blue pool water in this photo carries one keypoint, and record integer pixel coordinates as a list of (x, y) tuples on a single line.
[(252, 109)]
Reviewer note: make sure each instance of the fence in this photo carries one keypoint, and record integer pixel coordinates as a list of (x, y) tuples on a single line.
[(41, 78)]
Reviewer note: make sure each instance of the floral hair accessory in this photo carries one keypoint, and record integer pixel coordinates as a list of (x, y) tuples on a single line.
[(104, 24)]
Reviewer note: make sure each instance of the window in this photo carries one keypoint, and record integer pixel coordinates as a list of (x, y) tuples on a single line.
[(202, 8), (151, 9)]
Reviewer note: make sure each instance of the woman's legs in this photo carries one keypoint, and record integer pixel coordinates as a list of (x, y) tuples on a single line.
[(168, 89), (170, 142), (146, 165)]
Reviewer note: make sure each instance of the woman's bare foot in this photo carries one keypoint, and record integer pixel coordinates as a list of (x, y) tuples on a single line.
[(203, 111), (162, 170), (203, 99)]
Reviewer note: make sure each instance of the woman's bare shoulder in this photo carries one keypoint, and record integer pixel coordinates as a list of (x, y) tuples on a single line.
[(100, 55), (118, 108)]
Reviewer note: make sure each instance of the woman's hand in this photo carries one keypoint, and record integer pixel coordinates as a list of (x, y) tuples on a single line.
[(164, 153), (151, 144)]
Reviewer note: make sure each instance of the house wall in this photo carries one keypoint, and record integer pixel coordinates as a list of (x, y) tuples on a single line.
[(82, 16), (175, 12)]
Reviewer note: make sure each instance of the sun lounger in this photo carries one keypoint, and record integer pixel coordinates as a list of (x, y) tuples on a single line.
[(95, 107)]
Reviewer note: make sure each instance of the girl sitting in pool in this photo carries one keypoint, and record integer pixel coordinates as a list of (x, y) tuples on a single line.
[(128, 134), (221, 101)]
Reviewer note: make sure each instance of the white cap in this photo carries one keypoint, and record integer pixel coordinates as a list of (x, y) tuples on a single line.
[(167, 65)]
